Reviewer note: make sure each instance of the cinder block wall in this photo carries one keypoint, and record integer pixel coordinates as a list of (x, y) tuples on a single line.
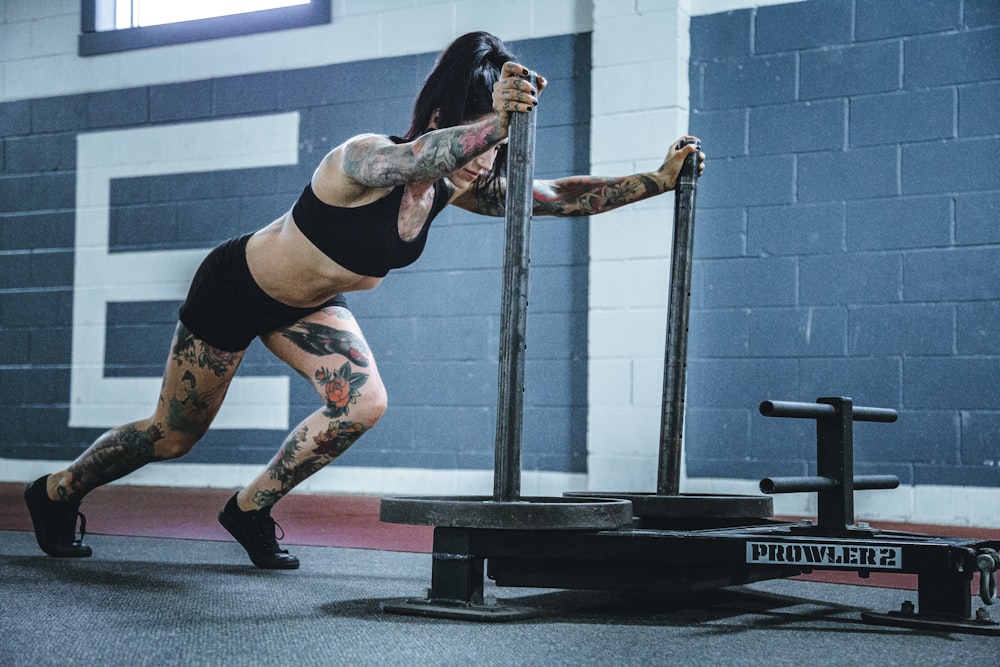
[(848, 235), (120, 171)]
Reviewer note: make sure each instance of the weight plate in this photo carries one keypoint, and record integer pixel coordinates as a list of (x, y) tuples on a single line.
[(559, 513), (690, 506)]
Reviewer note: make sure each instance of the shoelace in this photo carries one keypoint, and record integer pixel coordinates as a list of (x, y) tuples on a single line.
[(83, 526), (267, 530)]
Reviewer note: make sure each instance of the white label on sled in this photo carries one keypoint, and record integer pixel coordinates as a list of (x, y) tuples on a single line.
[(853, 556)]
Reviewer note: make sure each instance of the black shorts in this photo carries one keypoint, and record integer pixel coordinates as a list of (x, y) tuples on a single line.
[(227, 309)]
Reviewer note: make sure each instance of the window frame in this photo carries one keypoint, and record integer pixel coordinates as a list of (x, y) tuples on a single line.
[(93, 42)]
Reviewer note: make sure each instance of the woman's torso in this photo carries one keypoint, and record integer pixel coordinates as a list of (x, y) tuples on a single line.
[(292, 269)]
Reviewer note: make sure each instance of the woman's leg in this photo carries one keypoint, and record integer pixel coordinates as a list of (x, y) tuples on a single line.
[(329, 350), (326, 348), (194, 384)]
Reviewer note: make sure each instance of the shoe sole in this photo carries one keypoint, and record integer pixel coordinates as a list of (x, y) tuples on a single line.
[(287, 564), (38, 524)]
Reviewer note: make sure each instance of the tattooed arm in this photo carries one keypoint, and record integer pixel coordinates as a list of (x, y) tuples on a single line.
[(375, 161), (586, 195)]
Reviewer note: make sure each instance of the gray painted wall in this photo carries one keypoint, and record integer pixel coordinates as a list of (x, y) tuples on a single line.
[(848, 239)]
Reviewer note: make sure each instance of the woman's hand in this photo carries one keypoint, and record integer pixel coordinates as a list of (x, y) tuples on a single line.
[(513, 92), (676, 155)]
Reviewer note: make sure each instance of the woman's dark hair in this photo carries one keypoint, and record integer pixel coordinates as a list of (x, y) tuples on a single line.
[(460, 88)]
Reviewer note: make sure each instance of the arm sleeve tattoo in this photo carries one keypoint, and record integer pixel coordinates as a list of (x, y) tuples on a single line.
[(436, 154), (574, 195)]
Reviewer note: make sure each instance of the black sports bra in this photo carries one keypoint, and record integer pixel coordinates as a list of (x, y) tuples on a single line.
[(364, 239)]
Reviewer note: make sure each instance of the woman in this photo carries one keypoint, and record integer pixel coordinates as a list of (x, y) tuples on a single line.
[(366, 211)]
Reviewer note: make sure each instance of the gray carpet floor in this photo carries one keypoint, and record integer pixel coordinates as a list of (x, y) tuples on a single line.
[(150, 601)]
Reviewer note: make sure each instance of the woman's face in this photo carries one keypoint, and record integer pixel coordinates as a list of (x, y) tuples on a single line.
[(466, 176)]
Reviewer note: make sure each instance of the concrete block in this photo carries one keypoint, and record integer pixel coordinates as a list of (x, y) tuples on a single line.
[(907, 222), (15, 41), (609, 383), (978, 108), (952, 166), (37, 153), (881, 19), (849, 70), (857, 174), (902, 330), (976, 325), (951, 58), (795, 230), (720, 232), (50, 191), (953, 274), (739, 383), (180, 101), (245, 94), (798, 127), (723, 133), (558, 383), (980, 13), (851, 278), (648, 84), (719, 333), (749, 181), (961, 383), (981, 438), (626, 334), (640, 283), (615, 37), (36, 230), (624, 432), (798, 332), (56, 114), (558, 57), (740, 282), (894, 118), (659, 128), (874, 381), (629, 233), (748, 82), (15, 118), (717, 434), (721, 36), (801, 25)]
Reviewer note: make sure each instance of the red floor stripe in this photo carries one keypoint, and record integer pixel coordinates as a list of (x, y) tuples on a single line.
[(327, 520), (315, 520)]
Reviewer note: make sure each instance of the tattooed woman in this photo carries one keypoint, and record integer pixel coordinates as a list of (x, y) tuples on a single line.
[(366, 211)]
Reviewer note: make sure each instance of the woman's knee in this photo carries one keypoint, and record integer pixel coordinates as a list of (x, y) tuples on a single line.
[(174, 446), (358, 396)]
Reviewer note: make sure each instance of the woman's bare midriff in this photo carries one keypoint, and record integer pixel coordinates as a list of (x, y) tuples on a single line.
[(287, 266)]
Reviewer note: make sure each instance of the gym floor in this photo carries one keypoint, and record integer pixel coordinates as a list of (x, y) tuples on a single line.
[(167, 586)]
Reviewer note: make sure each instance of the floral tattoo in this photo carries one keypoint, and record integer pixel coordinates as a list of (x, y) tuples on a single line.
[(341, 389)]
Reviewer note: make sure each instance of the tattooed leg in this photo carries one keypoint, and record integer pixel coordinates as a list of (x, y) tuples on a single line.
[(114, 455), (194, 384), (320, 340), (317, 442)]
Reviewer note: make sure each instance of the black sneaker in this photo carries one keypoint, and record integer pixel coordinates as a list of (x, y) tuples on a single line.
[(55, 522), (254, 530)]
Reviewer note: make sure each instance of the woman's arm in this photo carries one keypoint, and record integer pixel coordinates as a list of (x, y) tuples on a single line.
[(376, 162), (588, 195)]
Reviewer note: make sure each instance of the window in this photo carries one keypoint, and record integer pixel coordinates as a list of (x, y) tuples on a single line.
[(123, 25)]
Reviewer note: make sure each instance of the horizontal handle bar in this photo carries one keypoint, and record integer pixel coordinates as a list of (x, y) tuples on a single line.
[(801, 484), (820, 410)]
